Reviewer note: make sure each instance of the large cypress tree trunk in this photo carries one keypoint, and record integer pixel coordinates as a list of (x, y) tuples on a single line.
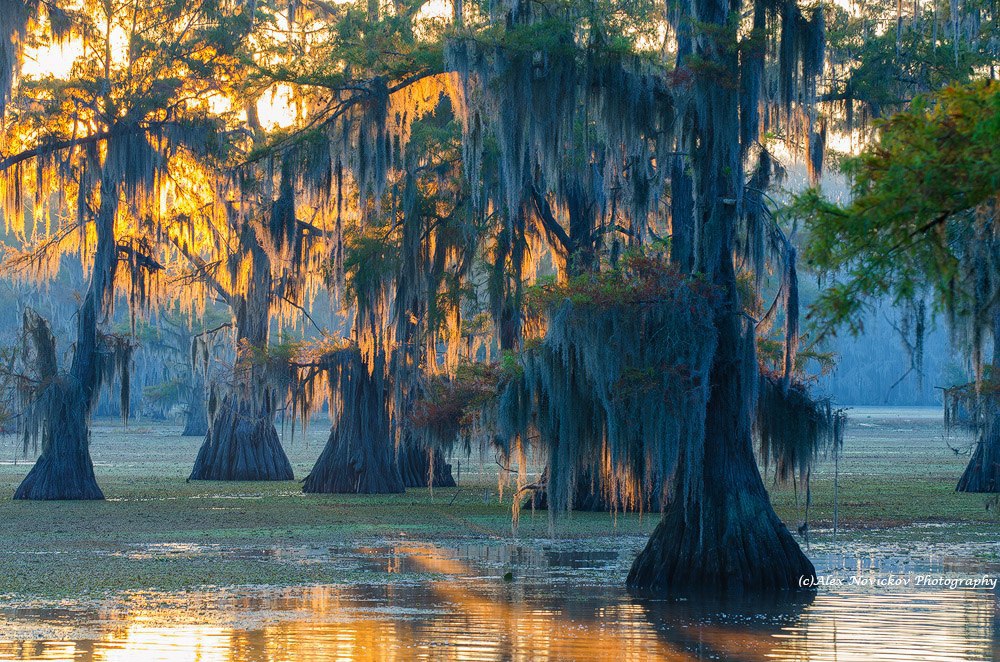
[(64, 469), (360, 455), (730, 539), (983, 471), (242, 442)]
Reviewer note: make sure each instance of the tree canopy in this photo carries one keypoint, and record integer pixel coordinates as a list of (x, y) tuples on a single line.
[(922, 223), (921, 217)]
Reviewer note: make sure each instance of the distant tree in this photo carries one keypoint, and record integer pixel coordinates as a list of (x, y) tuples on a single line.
[(882, 55), (183, 355)]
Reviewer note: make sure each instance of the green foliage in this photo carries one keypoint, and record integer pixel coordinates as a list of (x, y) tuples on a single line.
[(165, 394), (771, 354), (639, 278), (918, 194), (369, 262), (882, 55)]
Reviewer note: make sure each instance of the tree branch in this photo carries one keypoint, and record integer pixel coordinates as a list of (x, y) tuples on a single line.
[(548, 219)]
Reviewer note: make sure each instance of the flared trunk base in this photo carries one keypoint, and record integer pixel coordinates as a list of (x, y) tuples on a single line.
[(739, 546), (424, 467), (241, 446), (982, 475), (355, 467), (64, 475), (63, 470)]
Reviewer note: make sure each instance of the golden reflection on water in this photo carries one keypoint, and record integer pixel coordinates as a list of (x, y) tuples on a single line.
[(453, 612)]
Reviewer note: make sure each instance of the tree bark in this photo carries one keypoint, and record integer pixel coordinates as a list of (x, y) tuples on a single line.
[(732, 540), (352, 465), (423, 467), (64, 469), (360, 455), (983, 471), (196, 417), (242, 444)]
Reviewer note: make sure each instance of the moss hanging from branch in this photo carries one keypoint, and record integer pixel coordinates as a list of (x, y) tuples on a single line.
[(360, 455), (619, 383), (571, 123), (792, 427)]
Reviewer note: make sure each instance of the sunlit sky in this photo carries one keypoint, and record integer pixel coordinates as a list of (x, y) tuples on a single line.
[(275, 108)]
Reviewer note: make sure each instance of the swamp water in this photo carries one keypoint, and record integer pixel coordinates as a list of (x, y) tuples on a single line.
[(398, 599), (564, 602)]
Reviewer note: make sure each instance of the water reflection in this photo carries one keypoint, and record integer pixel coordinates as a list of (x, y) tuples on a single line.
[(453, 604)]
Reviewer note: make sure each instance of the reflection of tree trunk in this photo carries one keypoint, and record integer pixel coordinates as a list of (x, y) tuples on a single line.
[(722, 627), (196, 417), (423, 467), (983, 471), (360, 455), (64, 469)]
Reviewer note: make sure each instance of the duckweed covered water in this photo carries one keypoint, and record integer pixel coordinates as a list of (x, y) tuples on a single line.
[(167, 570)]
